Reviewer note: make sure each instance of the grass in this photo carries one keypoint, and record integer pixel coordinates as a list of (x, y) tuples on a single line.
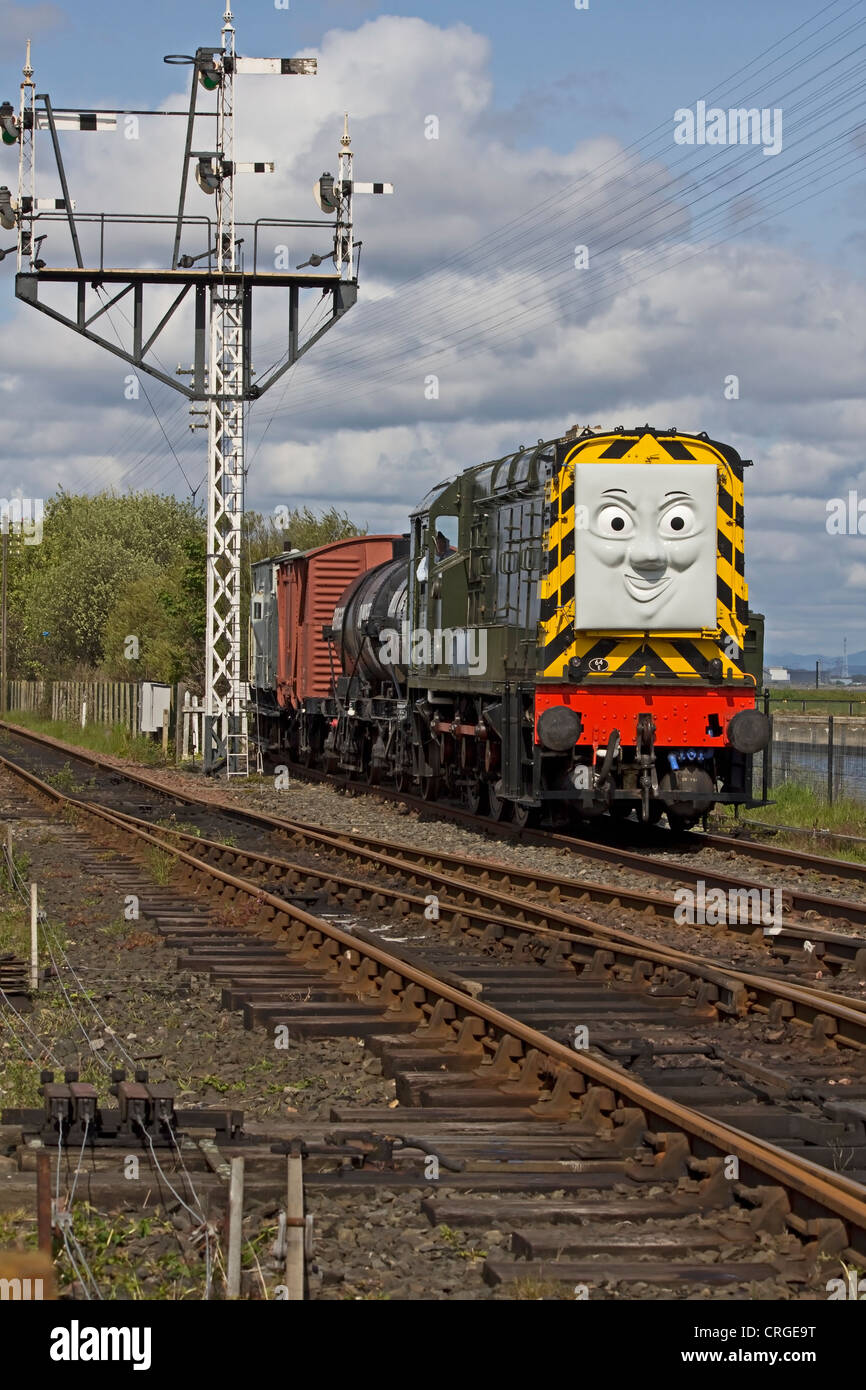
[(161, 864), (535, 1290), (119, 929), (262, 1078), (99, 738), (453, 1239), (18, 1228), (118, 1269), (64, 780), (15, 931), (216, 1083), (21, 864), (800, 807), (182, 827), (114, 1255), (15, 914), (21, 1085), (821, 701)]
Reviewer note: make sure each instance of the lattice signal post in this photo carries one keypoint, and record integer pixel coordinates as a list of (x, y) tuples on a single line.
[(221, 294)]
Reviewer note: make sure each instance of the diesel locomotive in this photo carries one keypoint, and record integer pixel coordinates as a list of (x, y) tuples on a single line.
[(565, 629)]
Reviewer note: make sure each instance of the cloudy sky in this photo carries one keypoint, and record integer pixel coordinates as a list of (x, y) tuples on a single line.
[(555, 129)]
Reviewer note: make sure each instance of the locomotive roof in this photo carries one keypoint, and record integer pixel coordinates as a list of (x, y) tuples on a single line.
[(523, 470)]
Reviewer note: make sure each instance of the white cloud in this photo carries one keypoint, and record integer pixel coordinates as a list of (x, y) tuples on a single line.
[(523, 343)]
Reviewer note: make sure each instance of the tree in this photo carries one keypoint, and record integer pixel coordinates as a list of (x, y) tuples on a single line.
[(295, 529), (93, 550), (164, 612), (111, 568)]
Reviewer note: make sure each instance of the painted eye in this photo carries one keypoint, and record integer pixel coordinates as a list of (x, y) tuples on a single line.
[(679, 521), (614, 523)]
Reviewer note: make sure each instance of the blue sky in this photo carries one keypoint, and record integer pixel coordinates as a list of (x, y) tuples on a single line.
[(647, 55), (699, 266)]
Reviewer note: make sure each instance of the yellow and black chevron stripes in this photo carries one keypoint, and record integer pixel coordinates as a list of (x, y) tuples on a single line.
[(665, 655)]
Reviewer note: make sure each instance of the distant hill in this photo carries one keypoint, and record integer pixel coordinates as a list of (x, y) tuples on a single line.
[(798, 661)]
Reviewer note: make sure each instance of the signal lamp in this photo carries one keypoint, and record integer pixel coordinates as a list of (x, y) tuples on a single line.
[(323, 192), (206, 175), (209, 75), (8, 124), (7, 211)]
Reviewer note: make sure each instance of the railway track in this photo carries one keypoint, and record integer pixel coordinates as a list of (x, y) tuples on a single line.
[(674, 850), (796, 932), (467, 1025), (669, 862)]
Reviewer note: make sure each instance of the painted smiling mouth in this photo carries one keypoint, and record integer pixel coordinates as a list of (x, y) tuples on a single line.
[(645, 589)]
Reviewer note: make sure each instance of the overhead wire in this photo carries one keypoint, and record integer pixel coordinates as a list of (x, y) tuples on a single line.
[(289, 380), (146, 394), (374, 349), (619, 277), (487, 248), (805, 33), (486, 243), (133, 449), (553, 209)]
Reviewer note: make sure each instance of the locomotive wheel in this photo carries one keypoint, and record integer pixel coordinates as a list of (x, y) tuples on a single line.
[(373, 773), (430, 787), (475, 798), (402, 771), (500, 809), (524, 815), (431, 782)]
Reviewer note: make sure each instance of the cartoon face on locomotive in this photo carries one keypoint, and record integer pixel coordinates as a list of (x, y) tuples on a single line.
[(571, 634)]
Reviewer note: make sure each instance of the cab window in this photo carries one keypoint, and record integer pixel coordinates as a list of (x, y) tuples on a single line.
[(445, 534)]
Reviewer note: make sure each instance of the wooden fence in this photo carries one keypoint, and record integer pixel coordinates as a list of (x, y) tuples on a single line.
[(108, 702), (85, 702), (96, 702), (28, 696)]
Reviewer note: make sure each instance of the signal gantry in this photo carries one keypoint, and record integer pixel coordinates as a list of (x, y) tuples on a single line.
[(218, 283)]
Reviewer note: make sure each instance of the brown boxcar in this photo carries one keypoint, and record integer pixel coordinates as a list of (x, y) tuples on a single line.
[(308, 588)]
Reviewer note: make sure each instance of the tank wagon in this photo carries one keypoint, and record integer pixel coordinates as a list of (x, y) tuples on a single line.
[(565, 628)]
